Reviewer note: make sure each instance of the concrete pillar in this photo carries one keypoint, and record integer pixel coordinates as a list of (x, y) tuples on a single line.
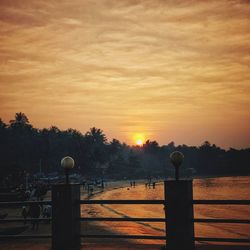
[(179, 215), (66, 217)]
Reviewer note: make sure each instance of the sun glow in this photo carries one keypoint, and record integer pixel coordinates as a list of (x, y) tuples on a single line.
[(139, 142), (139, 139)]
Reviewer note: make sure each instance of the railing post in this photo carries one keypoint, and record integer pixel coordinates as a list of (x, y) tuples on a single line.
[(179, 215), (66, 217)]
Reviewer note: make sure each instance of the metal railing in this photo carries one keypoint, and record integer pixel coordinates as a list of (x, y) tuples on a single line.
[(163, 202), (222, 221), (129, 219), (17, 204), (124, 219)]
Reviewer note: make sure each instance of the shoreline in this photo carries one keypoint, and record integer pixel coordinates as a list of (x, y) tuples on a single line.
[(200, 245), (111, 244)]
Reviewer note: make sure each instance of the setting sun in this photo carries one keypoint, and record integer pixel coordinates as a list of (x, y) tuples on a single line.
[(139, 139), (139, 142)]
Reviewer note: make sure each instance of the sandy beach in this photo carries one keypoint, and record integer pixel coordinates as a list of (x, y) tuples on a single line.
[(203, 189), (108, 246), (211, 188)]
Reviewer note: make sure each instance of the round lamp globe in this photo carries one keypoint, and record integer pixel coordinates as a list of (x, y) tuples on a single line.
[(176, 158), (67, 163)]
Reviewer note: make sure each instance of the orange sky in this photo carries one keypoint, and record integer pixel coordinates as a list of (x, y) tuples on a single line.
[(172, 70)]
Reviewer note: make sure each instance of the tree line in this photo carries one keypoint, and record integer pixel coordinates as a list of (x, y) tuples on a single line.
[(25, 149)]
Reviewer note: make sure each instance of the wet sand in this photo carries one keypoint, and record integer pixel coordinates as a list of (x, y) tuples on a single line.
[(213, 188), (108, 246), (203, 189)]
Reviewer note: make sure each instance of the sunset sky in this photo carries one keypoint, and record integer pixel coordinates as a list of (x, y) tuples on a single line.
[(171, 70)]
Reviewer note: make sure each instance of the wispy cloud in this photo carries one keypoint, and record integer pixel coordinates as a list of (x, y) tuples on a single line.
[(179, 69)]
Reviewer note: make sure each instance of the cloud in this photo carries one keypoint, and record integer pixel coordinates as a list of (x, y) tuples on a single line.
[(145, 65)]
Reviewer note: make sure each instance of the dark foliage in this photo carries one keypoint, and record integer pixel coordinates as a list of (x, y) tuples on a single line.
[(25, 149)]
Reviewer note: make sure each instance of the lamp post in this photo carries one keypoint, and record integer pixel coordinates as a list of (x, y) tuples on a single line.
[(66, 212), (176, 158), (67, 163), (179, 209)]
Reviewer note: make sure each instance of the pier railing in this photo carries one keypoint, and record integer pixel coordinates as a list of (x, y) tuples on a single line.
[(222, 221), (178, 206), (19, 204), (124, 219), (164, 220)]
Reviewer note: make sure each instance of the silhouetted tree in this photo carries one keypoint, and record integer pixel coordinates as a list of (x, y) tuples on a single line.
[(20, 120), (151, 147), (24, 148)]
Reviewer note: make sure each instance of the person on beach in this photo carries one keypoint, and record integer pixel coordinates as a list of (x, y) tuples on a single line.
[(83, 185), (47, 211), (34, 213), (24, 214)]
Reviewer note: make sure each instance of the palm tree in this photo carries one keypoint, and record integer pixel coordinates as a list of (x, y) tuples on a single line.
[(96, 135), (151, 147), (97, 148), (20, 119), (115, 146)]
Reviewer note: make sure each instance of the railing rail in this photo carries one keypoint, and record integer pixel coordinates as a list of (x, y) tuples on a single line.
[(221, 202), (237, 221), (28, 236), (122, 219), (231, 240), (124, 202), (23, 220), (117, 219), (123, 236), (131, 219), (23, 203)]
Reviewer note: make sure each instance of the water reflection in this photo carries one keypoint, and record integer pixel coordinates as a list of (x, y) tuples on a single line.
[(214, 188)]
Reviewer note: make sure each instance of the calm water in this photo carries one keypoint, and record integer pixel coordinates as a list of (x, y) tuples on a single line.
[(214, 188)]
